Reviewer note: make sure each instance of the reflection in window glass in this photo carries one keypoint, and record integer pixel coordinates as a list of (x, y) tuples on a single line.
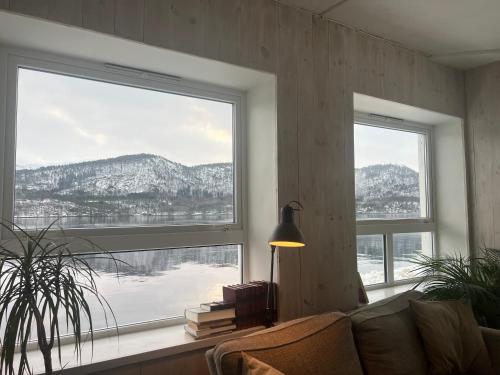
[(371, 265), (390, 176), (158, 284), (97, 154), (408, 246)]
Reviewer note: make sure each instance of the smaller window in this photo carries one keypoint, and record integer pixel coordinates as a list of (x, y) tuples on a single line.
[(390, 173), (371, 258), (393, 198), (407, 246)]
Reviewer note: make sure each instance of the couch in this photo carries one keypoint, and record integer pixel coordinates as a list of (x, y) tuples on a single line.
[(381, 338)]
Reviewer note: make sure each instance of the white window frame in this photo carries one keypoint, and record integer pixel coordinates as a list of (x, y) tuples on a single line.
[(389, 227), (133, 238)]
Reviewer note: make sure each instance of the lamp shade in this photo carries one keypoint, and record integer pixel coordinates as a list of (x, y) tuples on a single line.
[(286, 234)]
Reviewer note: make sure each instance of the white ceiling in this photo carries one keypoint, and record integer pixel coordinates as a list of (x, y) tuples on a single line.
[(459, 33)]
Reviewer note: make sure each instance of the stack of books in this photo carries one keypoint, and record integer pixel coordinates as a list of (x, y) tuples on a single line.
[(210, 319), (249, 301)]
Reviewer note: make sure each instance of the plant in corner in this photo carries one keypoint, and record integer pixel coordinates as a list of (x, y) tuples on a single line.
[(474, 279), (45, 291)]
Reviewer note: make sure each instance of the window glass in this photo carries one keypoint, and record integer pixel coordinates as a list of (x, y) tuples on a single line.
[(390, 173), (158, 284), (97, 154), (407, 247), (371, 266)]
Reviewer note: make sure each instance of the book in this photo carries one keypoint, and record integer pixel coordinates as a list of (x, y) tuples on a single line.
[(250, 302), (208, 332), (201, 316), (215, 306), (212, 324)]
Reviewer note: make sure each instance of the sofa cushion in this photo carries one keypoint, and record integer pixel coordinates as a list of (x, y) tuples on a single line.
[(452, 339), (321, 344), (252, 366), (387, 337)]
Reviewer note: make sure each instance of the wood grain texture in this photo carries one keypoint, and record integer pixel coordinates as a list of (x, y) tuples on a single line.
[(37, 8), (66, 11), (125, 370), (258, 34), (483, 138), (129, 19), (318, 65), (222, 26), (290, 304), (99, 15), (192, 363)]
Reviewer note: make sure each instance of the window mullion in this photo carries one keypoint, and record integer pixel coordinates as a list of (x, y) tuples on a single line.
[(389, 258)]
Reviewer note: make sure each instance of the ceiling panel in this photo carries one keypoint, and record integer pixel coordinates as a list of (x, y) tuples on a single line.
[(444, 28)]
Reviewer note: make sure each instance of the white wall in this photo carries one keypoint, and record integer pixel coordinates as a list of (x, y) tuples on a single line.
[(452, 235), (262, 178)]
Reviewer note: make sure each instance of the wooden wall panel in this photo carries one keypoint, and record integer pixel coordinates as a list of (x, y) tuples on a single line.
[(192, 363), (129, 19), (290, 300), (221, 42), (318, 64), (66, 11), (37, 8), (99, 15), (483, 140)]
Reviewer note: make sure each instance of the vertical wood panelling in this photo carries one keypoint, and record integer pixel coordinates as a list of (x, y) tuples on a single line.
[(258, 41), (306, 123), (186, 25), (288, 179), (37, 8), (4, 4), (483, 138), (129, 19), (99, 15), (222, 37), (156, 23), (318, 64), (66, 11)]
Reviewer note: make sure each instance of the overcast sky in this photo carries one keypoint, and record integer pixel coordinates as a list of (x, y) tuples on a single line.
[(65, 119), (373, 145)]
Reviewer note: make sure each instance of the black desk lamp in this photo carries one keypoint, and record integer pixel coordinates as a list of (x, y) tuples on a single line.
[(286, 234)]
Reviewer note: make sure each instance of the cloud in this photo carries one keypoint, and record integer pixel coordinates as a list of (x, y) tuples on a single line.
[(63, 117)]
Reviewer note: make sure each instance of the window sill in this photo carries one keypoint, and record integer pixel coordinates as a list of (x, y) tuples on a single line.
[(375, 295), (130, 348)]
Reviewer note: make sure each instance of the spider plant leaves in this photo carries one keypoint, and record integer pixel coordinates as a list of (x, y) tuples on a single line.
[(45, 286), (475, 279)]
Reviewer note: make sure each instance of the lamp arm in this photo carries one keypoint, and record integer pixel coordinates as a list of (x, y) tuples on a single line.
[(270, 292)]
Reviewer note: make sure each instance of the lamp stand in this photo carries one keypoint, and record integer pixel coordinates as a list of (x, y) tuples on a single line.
[(270, 293)]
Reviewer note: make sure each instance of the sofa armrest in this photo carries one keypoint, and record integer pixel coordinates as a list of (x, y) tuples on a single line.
[(313, 345), (492, 339)]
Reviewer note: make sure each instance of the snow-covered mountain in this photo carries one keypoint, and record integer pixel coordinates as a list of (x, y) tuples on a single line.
[(141, 184), (125, 175), (387, 189)]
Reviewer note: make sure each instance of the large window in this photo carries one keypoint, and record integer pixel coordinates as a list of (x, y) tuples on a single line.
[(393, 197), (95, 154), (147, 165)]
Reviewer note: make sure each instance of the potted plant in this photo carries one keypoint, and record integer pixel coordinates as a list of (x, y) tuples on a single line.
[(474, 279), (44, 292)]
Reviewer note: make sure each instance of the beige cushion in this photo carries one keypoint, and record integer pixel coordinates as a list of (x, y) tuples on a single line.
[(252, 366), (387, 338), (321, 344), (452, 339)]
